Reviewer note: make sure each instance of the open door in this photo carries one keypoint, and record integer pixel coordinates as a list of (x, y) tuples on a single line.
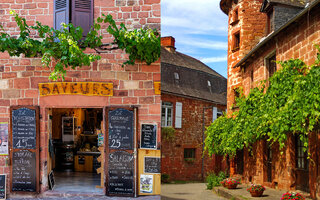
[(121, 151), (24, 149)]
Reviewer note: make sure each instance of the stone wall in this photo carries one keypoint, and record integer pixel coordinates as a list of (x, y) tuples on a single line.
[(189, 136)]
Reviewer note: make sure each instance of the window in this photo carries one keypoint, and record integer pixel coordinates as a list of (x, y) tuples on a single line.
[(209, 84), (176, 77), (189, 153), (236, 15), (219, 113), (301, 156), (236, 41), (216, 113), (166, 114), (272, 65), (77, 12)]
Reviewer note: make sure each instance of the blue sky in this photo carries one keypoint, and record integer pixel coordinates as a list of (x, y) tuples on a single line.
[(200, 30)]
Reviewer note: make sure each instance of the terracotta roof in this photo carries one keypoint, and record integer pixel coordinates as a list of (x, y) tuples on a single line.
[(193, 78)]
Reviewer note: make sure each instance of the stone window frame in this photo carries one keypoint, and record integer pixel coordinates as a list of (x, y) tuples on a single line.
[(166, 114), (267, 63), (236, 38)]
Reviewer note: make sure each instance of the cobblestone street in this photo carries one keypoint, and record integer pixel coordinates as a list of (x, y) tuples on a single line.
[(189, 191)]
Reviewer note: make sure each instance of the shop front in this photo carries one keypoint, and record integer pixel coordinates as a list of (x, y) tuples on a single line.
[(81, 139)]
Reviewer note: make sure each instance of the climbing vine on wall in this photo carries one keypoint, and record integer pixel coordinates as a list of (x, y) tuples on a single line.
[(290, 105), (66, 47)]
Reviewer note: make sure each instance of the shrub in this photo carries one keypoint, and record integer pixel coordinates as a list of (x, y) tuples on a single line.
[(168, 133), (165, 178), (214, 180)]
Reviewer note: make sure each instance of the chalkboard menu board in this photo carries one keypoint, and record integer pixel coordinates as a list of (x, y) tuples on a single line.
[(120, 129), (148, 136), (24, 128), (120, 173), (2, 186), (152, 165), (23, 171)]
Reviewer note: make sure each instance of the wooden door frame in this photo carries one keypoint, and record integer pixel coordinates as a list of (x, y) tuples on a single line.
[(106, 110), (37, 150)]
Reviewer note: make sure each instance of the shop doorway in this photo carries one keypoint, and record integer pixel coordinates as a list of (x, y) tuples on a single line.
[(74, 139)]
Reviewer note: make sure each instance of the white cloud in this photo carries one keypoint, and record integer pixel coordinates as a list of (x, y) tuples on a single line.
[(201, 16), (204, 44), (214, 59)]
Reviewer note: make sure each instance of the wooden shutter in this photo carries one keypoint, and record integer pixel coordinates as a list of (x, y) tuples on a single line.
[(214, 113), (61, 13), (82, 14), (178, 115)]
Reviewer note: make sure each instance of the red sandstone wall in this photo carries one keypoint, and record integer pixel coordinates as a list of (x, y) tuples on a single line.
[(297, 41), (189, 136), (251, 26), (133, 85)]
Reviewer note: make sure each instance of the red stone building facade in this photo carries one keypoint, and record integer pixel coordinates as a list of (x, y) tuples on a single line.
[(133, 85), (259, 32), (192, 96)]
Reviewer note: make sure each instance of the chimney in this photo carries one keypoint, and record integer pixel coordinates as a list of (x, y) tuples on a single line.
[(168, 43)]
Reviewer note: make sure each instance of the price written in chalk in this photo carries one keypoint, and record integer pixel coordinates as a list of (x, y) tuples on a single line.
[(120, 129)]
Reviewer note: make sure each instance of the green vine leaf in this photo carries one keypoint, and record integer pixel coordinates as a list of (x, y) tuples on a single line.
[(66, 47), (290, 105)]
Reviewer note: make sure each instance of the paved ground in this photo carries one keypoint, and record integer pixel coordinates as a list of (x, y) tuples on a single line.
[(241, 193), (89, 198), (189, 191)]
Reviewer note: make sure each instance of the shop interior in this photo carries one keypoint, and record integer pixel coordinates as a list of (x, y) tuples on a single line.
[(75, 137)]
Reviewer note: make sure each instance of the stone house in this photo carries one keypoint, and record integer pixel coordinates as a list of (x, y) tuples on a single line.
[(192, 95), (259, 32), (88, 117)]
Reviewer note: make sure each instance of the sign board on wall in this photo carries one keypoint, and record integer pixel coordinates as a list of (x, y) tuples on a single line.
[(152, 165), (23, 171), (148, 136), (157, 88), (76, 88), (146, 183), (4, 138), (120, 173), (120, 129), (24, 129), (2, 186)]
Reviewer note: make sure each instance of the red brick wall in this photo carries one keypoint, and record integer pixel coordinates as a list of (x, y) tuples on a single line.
[(133, 85), (189, 136), (251, 26), (296, 41)]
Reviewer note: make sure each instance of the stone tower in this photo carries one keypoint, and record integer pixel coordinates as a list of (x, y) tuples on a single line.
[(246, 27)]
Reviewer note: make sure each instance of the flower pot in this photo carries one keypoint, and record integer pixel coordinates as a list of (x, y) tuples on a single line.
[(234, 186), (256, 193)]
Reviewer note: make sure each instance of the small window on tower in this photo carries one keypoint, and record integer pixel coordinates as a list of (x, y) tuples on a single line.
[(236, 15), (176, 77), (236, 42), (209, 84)]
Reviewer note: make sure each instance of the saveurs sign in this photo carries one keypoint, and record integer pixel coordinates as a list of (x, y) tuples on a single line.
[(76, 88)]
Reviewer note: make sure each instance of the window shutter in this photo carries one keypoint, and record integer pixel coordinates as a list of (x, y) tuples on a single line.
[(82, 14), (214, 113), (178, 115), (61, 13)]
